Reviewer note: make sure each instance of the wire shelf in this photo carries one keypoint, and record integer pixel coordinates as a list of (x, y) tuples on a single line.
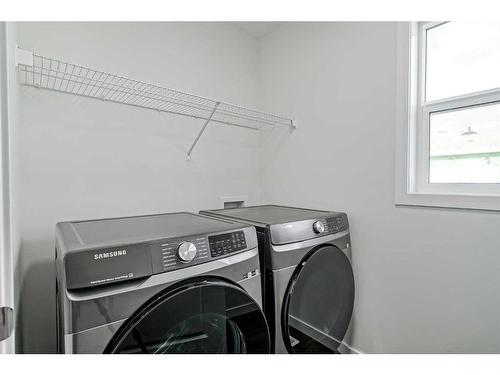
[(56, 75)]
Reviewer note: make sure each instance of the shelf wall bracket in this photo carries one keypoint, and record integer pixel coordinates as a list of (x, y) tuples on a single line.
[(202, 130), (23, 57)]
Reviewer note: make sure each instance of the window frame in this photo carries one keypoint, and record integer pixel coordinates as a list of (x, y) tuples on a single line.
[(413, 128)]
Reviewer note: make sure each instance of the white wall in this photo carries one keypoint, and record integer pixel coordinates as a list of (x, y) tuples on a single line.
[(81, 158), (427, 279)]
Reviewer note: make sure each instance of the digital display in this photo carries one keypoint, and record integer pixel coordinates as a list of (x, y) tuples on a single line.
[(336, 224), (226, 243)]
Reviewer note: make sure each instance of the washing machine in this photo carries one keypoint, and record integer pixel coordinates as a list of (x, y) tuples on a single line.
[(170, 283), (307, 278)]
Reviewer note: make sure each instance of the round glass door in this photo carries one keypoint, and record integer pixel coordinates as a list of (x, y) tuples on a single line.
[(204, 316), (318, 304)]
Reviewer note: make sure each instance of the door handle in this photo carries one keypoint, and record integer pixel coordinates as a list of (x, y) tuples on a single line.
[(6, 322)]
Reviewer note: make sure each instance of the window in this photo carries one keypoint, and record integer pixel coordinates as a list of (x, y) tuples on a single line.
[(449, 114), (461, 58), (465, 145)]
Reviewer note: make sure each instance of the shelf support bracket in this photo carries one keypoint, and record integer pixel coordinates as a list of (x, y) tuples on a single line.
[(202, 130), (24, 57)]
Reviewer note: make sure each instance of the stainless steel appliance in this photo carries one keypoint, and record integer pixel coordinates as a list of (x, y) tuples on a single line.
[(307, 275), (172, 283)]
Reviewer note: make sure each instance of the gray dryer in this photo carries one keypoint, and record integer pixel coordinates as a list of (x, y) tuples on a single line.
[(307, 275)]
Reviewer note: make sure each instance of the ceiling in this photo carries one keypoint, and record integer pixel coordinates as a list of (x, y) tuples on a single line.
[(258, 29)]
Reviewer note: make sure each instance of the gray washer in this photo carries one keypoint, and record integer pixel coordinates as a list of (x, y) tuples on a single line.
[(307, 275), (155, 277)]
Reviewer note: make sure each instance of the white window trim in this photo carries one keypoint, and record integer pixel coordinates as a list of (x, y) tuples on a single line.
[(412, 150)]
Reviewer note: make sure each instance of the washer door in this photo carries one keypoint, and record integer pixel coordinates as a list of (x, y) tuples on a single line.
[(201, 316), (318, 304)]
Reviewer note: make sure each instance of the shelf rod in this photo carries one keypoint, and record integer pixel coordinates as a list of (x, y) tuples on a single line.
[(201, 131)]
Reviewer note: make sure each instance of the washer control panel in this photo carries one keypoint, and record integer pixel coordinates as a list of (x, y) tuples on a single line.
[(223, 244), (177, 253), (335, 224)]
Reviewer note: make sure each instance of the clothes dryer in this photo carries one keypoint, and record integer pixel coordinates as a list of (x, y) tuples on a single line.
[(307, 275)]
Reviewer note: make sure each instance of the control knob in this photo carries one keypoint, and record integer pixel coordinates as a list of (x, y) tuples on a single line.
[(186, 251), (318, 227)]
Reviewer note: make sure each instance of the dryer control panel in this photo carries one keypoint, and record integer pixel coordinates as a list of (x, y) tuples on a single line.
[(284, 233)]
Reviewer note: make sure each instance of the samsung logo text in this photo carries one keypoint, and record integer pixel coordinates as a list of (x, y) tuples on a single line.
[(110, 254)]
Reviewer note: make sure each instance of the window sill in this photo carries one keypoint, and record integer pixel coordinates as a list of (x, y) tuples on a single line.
[(452, 200)]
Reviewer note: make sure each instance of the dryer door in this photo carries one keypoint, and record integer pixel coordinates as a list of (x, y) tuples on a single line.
[(318, 303), (199, 316)]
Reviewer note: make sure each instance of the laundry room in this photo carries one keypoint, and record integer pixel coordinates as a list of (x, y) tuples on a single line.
[(244, 185)]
